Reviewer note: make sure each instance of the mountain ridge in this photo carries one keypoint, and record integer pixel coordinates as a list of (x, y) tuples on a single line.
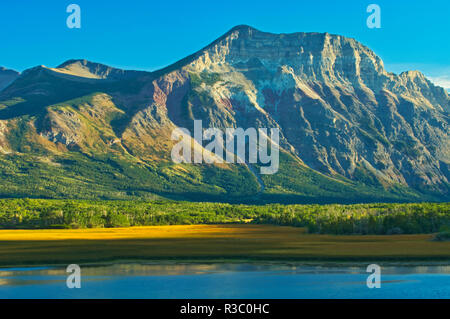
[(7, 76), (348, 128)]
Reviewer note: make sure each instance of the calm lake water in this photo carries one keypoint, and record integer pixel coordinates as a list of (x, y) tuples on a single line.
[(226, 281)]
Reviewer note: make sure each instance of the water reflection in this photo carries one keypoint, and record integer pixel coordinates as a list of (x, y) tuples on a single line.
[(225, 281), (47, 275)]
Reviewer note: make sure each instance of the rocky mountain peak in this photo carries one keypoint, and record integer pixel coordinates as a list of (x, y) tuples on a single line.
[(312, 56)]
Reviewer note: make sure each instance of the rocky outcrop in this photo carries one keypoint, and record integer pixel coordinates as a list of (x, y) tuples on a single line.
[(4, 147)]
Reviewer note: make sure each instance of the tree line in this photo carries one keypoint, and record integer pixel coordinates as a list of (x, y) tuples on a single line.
[(336, 219)]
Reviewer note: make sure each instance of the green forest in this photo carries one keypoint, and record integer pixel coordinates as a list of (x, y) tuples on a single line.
[(413, 218)]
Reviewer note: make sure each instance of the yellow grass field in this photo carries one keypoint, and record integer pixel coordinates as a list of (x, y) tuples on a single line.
[(208, 242)]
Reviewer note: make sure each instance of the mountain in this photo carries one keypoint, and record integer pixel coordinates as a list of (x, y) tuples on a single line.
[(349, 130), (7, 77)]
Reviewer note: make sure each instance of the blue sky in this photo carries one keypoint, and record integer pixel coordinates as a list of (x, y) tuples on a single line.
[(147, 34)]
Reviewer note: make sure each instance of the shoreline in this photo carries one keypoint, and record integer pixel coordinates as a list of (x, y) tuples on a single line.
[(280, 262)]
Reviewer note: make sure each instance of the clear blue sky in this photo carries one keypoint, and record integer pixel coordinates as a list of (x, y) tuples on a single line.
[(147, 34)]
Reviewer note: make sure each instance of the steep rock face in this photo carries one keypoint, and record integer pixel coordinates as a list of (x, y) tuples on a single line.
[(337, 107)]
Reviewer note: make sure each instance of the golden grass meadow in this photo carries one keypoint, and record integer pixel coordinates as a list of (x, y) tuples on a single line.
[(209, 243)]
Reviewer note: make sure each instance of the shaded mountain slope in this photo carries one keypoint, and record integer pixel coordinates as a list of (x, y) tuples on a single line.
[(7, 77)]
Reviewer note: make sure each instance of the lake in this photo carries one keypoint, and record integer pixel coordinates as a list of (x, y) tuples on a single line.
[(227, 281)]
